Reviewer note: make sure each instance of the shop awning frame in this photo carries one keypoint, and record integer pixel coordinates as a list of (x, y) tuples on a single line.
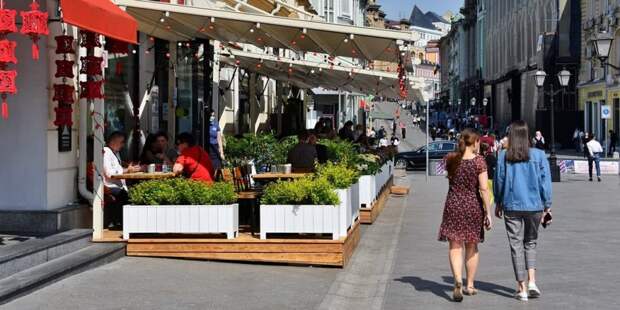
[(309, 74), (100, 16), (175, 22)]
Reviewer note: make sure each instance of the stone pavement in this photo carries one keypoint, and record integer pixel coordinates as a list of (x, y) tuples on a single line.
[(397, 265)]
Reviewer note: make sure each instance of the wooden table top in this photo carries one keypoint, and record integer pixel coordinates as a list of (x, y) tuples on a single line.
[(274, 176), (144, 176)]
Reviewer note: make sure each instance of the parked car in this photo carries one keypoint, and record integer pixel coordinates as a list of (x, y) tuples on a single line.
[(416, 160)]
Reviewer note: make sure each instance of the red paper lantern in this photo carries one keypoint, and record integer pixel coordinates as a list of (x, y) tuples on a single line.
[(64, 44), (64, 69), (7, 51), (89, 39), (34, 25), (7, 86), (91, 65), (63, 116), (63, 93), (91, 90), (7, 21)]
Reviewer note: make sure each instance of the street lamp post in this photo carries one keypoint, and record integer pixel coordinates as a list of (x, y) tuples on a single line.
[(563, 78)]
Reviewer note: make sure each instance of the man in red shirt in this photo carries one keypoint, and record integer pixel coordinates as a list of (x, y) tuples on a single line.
[(489, 141), (193, 161)]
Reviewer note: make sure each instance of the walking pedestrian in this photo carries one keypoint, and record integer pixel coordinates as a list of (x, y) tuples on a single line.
[(577, 140), (522, 189), (403, 130), (595, 152), (467, 210), (394, 127), (539, 141), (613, 140)]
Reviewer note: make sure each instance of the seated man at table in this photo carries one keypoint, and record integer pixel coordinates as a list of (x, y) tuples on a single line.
[(115, 189), (157, 151), (303, 155), (193, 161)]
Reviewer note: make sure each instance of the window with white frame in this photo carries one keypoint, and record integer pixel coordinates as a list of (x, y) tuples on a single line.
[(346, 8), (329, 11)]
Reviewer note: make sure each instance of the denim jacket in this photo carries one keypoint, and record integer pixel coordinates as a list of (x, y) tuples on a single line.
[(523, 186)]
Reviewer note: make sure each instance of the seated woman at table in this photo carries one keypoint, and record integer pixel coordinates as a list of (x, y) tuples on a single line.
[(117, 189), (303, 155), (157, 151), (193, 161)]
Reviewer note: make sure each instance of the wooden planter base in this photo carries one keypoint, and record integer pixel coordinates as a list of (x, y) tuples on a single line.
[(294, 250), (369, 215)]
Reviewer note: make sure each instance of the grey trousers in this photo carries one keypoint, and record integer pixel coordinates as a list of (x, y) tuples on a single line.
[(522, 230)]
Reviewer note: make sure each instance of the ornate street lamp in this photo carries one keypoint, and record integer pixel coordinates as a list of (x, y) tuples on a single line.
[(602, 45), (563, 79)]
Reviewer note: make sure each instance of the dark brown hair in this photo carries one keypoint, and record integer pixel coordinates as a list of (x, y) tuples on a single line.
[(468, 137), (518, 142)]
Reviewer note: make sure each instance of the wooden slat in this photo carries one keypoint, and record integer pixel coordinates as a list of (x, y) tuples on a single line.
[(324, 259)]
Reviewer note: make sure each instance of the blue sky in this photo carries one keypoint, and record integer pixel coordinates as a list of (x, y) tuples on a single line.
[(397, 9)]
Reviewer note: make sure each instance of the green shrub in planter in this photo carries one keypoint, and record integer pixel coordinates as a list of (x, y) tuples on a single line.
[(305, 191), (339, 151), (181, 191), (368, 164), (339, 175)]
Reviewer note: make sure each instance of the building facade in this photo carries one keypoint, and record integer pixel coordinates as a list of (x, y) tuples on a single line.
[(597, 89)]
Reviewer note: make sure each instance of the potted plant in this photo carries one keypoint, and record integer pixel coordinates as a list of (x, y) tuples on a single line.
[(345, 180), (307, 205), (368, 166), (181, 206)]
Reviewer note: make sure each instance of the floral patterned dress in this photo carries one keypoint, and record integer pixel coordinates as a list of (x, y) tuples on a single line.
[(463, 215)]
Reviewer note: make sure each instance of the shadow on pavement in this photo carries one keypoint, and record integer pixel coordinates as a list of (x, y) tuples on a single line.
[(442, 290)]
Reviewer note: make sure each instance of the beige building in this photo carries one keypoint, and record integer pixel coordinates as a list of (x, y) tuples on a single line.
[(595, 89)]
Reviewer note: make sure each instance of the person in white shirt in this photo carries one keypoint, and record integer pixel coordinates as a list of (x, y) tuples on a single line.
[(383, 142), (116, 189), (595, 151)]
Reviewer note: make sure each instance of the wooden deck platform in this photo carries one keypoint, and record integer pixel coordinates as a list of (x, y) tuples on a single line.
[(289, 249), (369, 215)]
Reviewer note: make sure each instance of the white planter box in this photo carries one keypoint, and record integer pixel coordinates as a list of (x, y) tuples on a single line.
[(300, 219), (211, 219), (367, 190), (355, 201)]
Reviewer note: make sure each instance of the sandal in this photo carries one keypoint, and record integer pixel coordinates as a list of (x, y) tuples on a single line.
[(457, 294), (470, 291)]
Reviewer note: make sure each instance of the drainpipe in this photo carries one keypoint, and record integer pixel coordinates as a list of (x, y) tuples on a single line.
[(277, 9)]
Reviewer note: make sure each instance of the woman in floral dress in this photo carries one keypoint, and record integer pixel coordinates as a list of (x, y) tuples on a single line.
[(467, 210)]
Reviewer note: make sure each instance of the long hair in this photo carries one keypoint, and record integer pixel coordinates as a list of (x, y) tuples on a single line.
[(468, 137), (518, 142)]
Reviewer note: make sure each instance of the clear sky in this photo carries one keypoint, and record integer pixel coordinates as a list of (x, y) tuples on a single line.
[(397, 9)]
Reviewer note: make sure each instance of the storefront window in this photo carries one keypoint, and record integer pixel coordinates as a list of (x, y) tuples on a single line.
[(192, 82)]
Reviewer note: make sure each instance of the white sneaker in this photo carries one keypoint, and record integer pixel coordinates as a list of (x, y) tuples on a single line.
[(533, 290), (522, 296)]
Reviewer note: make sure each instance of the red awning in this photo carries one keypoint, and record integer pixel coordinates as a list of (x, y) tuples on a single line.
[(101, 16)]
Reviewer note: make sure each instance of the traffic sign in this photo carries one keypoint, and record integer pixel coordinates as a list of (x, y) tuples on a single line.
[(605, 112)]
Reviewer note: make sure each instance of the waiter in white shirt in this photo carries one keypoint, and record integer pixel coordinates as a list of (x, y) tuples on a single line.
[(595, 151), (117, 189)]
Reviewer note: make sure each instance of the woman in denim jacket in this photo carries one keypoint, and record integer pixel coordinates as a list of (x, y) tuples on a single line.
[(522, 189)]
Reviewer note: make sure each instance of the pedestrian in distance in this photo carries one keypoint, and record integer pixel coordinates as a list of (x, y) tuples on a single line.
[(539, 141), (577, 140), (467, 210), (613, 140), (522, 190), (403, 130), (595, 152)]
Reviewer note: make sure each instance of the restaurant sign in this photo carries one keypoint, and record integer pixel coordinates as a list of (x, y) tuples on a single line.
[(64, 139)]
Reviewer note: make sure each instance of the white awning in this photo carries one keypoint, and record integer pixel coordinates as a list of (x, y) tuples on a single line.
[(308, 74), (180, 23)]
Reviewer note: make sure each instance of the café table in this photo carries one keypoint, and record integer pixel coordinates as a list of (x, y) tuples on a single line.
[(144, 176)]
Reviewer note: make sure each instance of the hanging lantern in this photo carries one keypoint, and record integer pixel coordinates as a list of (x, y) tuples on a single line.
[(89, 39), (34, 25), (7, 20), (91, 65), (91, 90), (63, 116), (63, 93), (117, 47), (64, 44), (7, 51), (64, 69), (7, 86)]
